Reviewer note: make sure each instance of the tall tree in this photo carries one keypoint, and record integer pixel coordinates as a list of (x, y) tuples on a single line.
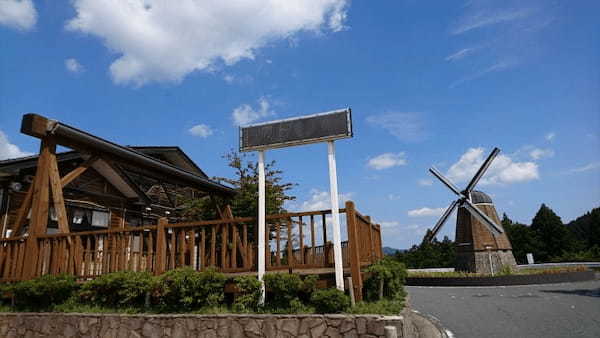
[(552, 233)]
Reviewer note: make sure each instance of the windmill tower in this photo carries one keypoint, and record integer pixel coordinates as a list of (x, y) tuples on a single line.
[(482, 244)]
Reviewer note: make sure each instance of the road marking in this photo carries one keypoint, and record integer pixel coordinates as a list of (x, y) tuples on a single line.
[(449, 333)]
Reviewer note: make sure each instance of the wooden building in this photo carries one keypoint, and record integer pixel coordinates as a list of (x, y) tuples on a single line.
[(105, 194)]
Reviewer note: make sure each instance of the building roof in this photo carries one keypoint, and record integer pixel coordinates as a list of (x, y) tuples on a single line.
[(169, 155)]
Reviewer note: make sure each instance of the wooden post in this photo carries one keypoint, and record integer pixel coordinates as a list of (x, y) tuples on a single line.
[(290, 254), (353, 250), (161, 246), (351, 291), (312, 239), (301, 225)]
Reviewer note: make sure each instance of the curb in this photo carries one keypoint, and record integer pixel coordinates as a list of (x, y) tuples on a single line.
[(423, 325), (566, 277)]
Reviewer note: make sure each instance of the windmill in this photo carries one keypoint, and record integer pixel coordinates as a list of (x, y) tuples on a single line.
[(482, 244)]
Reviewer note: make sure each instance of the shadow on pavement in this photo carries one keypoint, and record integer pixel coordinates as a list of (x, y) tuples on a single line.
[(579, 292)]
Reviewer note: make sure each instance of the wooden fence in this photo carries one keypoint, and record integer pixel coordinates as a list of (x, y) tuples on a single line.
[(296, 241)]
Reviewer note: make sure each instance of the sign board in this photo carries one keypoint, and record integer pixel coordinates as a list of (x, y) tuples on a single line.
[(295, 131)]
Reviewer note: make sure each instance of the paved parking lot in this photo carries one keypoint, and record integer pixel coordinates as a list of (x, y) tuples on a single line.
[(551, 310)]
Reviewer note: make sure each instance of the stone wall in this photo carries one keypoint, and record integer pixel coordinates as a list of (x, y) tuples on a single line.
[(229, 325)]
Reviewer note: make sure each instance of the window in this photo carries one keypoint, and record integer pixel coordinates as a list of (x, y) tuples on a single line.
[(100, 218)]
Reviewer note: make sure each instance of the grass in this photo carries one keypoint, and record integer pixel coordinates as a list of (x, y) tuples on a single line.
[(505, 271)]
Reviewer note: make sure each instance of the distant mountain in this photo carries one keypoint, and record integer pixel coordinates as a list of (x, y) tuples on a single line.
[(390, 251)]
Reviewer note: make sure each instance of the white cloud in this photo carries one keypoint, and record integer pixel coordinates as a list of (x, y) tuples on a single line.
[(496, 67), (245, 114), (9, 150), (387, 160), (460, 54), (426, 182), (538, 153), (588, 167), (201, 130), (426, 212), (164, 41), (73, 65), (490, 17), (18, 14), (320, 200), (502, 171), (405, 126), (550, 136)]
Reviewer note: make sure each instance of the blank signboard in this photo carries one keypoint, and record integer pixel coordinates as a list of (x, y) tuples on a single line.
[(302, 130)]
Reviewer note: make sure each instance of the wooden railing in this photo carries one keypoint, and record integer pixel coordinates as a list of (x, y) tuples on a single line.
[(294, 241)]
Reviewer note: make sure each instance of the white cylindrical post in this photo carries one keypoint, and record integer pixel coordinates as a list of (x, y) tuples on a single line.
[(335, 213), (261, 221)]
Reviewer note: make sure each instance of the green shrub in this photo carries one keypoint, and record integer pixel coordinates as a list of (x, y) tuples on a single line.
[(330, 301), (249, 296), (186, 289), (288, 292), (382, 307), (43, 292), (117, 289), (389, 271)]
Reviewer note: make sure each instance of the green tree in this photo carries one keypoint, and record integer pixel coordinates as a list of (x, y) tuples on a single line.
[(522, 238), (555, 238), (434, 254), (245, 181)]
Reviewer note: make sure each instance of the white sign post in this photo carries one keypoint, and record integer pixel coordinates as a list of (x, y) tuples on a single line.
[(261, 222), (335, 214), (325, 127)]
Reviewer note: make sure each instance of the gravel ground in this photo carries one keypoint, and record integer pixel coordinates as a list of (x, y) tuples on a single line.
[(551, 310)]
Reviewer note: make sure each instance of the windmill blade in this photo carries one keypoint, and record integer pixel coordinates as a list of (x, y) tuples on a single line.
[(442, 220), (481, 217), (444, 180), (484, 167)]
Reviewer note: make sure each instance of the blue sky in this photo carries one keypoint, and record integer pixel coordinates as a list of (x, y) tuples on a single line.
[(429, 83)]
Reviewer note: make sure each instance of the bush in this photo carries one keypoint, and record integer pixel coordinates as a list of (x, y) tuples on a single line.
[(250, 293), (287, 292), (382, 307), (389, 272), (117, 289), (330, 301), (43, 292), (186, 289)]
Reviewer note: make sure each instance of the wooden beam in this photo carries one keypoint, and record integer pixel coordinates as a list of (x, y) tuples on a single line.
[(73, 174), (57, 196), (23, 211), (35, 125), (40, 204)]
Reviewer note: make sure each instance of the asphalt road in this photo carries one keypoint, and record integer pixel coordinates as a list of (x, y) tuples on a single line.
[(551, 310)]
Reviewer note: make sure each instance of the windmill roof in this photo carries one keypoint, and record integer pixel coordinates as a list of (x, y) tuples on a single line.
[(478, 197)]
